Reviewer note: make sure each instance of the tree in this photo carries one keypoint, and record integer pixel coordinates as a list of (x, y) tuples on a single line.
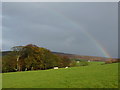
[(64, 61), (17, 50), (9, 63), (38, 58), (32, 57)]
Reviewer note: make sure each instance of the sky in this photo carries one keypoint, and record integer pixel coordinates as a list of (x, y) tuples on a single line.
[(89, 28)]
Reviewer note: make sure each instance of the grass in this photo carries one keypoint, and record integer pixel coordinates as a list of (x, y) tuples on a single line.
[(93, 76)]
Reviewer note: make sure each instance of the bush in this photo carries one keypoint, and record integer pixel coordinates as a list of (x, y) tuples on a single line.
[(84, 63), (73, 63), (111, 61), (63, 61), (83, 60)]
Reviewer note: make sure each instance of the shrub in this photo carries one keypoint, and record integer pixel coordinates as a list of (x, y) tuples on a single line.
[(63, 61), (83, 60), (73, 63), (84, 63), (111, 61), (108, 62)]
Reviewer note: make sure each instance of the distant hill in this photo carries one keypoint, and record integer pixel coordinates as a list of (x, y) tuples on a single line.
[(91, 58), (74, 56)]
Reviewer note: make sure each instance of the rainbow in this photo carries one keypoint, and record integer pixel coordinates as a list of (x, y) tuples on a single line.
[(98, 45)]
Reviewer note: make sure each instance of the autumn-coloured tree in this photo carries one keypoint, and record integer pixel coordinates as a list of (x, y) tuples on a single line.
[(64, 61), (9, 63), (32, 57)]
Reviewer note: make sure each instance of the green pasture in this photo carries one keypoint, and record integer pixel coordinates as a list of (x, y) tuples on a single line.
[(94, 75)]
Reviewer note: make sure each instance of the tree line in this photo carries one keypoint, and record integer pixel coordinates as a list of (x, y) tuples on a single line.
[(32, 57)]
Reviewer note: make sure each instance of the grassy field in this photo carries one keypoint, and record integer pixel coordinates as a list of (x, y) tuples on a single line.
[(93, 76)]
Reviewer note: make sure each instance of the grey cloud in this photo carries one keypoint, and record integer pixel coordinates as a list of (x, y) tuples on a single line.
[(61, 26)]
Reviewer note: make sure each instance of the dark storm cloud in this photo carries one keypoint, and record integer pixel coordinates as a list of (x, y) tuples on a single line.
[(62, 26)]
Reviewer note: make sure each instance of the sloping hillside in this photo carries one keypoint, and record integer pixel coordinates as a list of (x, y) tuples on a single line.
[(74, 56)]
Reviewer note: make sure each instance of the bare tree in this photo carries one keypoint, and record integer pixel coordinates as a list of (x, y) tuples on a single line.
[(18, 52)]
